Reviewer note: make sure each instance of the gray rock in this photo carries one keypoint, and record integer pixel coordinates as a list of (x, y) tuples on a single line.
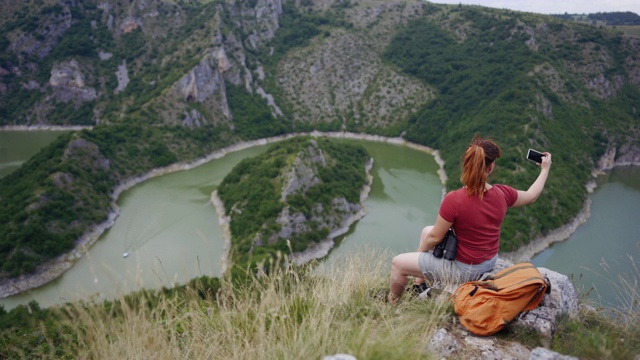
[(193, 119), (443, 344), (104, 55), (263, 20), (205, 84), (302, 175), (540, 353), (68, 83), (339, 357), (123, 77), (275, 110), (562, 299)]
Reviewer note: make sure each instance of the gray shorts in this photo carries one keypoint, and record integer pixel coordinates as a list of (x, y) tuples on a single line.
[(454, 271)]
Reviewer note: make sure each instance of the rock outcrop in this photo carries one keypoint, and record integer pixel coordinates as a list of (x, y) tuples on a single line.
[(455, 342), (69, 84), (459, 343), (261, 21), (301, 177)]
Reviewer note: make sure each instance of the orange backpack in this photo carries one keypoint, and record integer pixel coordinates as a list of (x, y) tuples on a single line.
[(485, 307)]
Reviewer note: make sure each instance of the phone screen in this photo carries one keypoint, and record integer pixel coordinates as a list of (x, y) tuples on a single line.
[(534, 156)]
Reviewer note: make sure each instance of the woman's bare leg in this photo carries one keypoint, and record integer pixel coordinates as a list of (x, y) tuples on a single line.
[(402, 266)]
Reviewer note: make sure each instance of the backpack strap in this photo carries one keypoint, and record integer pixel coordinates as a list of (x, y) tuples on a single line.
[(510, 270)]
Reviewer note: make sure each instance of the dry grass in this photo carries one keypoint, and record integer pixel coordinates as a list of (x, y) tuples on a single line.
[(293, 313), (309, 312), (625, 287)]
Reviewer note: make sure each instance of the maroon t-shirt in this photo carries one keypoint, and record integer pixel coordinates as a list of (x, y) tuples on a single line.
[(477, 222)]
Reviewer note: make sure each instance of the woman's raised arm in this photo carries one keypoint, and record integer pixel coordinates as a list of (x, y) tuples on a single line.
[(534, 191)]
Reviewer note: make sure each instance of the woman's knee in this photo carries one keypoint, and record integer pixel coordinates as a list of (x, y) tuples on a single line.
[(406, 264), (396, 263)]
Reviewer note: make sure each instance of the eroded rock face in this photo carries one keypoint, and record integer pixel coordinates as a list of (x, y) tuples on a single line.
[(302, 175), (624, 155), (262, 20), (205, 83), (68, 83), (344, 74)]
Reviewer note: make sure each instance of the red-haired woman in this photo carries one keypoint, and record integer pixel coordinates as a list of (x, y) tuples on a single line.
[(475, 212)]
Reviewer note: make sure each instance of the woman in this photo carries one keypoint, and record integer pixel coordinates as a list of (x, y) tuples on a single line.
[(475, 212)]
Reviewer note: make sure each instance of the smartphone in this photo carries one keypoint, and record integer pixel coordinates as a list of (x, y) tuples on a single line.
[(534, 155)]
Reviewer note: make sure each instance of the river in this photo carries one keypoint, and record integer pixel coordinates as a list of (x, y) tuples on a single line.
[(606, 248), (170, 232), (18, 146)]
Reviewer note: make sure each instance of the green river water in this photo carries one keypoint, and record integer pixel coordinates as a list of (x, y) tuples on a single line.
[(170, 230)]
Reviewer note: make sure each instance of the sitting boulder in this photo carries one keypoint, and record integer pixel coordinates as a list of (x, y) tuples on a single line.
[(562, 299)]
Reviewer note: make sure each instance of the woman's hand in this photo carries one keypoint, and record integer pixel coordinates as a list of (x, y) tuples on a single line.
[(546, 161)]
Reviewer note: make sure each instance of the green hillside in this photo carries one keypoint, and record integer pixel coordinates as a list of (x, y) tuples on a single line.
[(172, 81), (493, 84)]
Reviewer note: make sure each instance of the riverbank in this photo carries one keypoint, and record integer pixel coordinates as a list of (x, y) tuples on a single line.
[(44, 128), (626, 156)]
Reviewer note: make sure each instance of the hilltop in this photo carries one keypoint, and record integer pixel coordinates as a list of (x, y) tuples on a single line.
[(626, 21)]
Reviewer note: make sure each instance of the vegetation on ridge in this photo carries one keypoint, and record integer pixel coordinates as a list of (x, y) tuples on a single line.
[(253, 195)]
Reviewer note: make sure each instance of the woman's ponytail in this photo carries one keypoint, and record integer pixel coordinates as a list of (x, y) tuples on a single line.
[(480, 154)]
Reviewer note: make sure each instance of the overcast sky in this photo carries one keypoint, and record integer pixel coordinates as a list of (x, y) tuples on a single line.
[(554, 6)]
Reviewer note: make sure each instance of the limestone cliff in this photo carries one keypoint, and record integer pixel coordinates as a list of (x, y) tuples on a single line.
[(177, 56)]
